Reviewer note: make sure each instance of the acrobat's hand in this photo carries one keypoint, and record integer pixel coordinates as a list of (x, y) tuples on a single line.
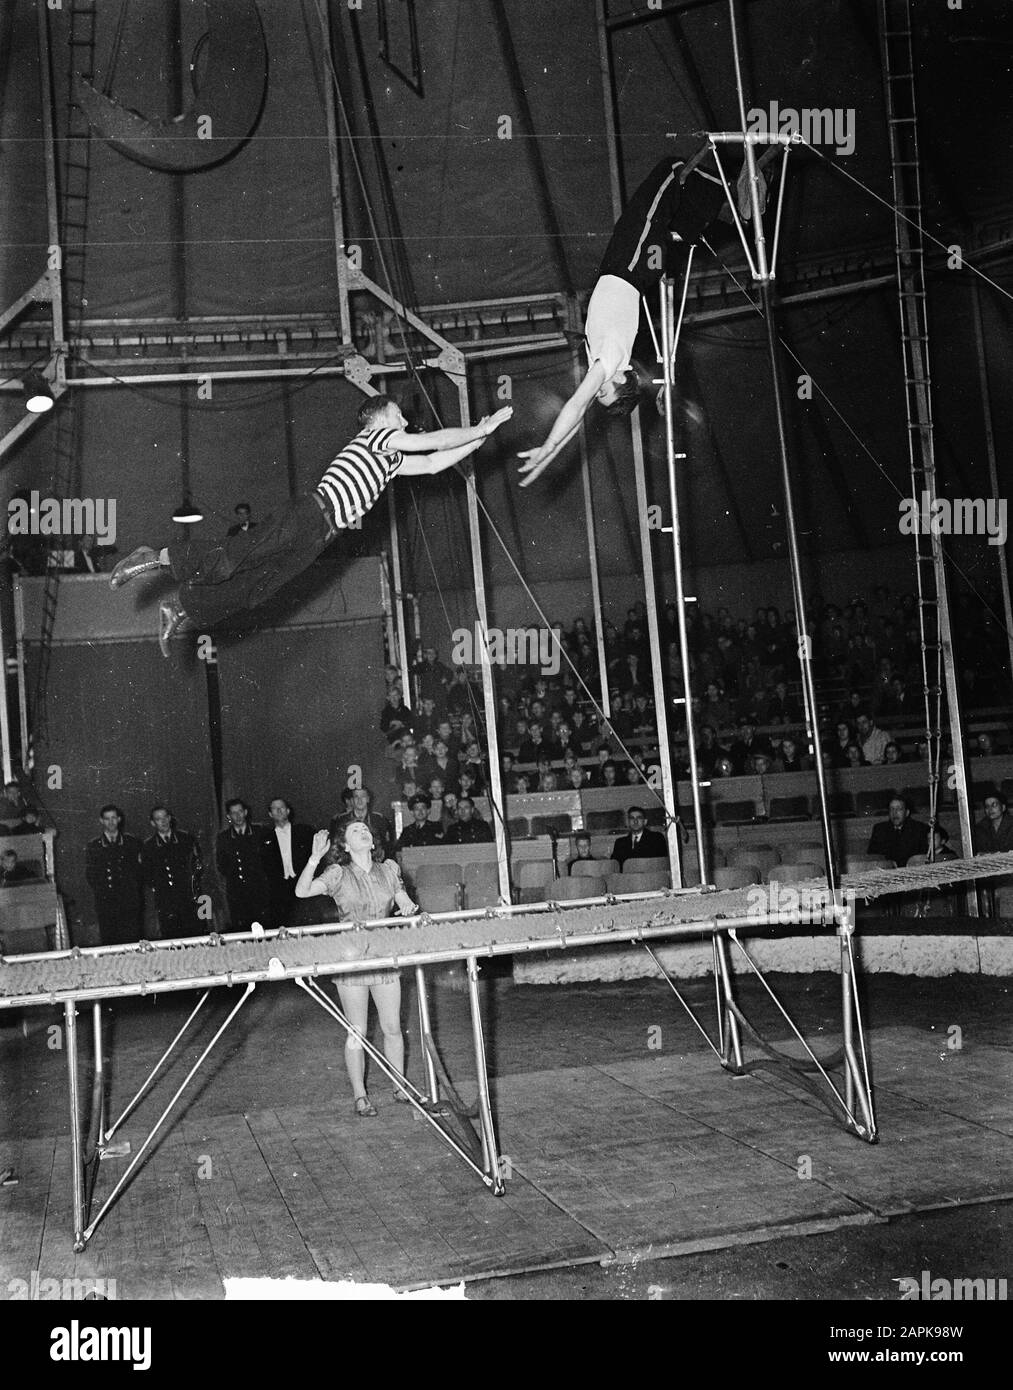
[(538, 461), (491, 423), (321, 844)]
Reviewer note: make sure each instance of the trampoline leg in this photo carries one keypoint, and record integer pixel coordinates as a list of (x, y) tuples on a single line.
[(100, 1078), (77, 1161), (856, 1078), (426, 1034), (732, 1047), (493, 1166)]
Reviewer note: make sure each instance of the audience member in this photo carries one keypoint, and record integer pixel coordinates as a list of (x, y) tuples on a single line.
[(900, 838), (639, 843)]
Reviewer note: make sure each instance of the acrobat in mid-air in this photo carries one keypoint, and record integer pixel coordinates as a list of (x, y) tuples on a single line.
[(218, 579), (670, 211)]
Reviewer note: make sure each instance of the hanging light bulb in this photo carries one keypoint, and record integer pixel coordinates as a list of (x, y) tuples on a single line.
[(187, 513), (38, 393)]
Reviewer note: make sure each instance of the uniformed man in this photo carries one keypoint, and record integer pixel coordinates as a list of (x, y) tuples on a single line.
[(420, 831), (113, 871), (238, 857), (468, 829), (171, 864)]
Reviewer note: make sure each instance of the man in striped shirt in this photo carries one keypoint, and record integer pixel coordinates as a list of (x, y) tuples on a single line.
[(218, 579), (672, 209)]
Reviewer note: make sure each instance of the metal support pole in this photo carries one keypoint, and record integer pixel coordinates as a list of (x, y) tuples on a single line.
[(397, 598), (426, 1035), (590, 529), (19, 644), (496, 798), (337, 197), (657, 664), (608, 81), (100, 1068), (795, 563), (993, 473), (52, 202), (732, 1042), (668, 344), (494, 1167), (132, 1104), (76, 1158), (5, 723)]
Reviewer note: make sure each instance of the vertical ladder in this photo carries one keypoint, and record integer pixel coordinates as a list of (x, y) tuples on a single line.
[(938, 666), (74, 189)]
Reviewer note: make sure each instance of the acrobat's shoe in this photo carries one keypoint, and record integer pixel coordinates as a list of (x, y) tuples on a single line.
[(139, 561), (171, 620)]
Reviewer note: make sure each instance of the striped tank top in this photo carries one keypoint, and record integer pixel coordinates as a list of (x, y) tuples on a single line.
[(354, 480)]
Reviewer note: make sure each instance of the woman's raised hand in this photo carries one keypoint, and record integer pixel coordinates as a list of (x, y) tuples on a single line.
[(321, 844)]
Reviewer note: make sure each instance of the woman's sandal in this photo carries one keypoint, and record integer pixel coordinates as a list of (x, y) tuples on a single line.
[(364, 1107), (402, 1097)]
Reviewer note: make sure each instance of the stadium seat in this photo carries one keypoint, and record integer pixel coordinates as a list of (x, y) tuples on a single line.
[(433, 875), (572, 889), (875, 803), (533, 878), (645, 866), (481, 884), (788, 808), (859, 863), (639, 883), (733, 812), (440, 897), (593, 868), (605, 820), (761, 855), (551, 825), (793, 873), (741, 877), (841, 804), (519, 827)]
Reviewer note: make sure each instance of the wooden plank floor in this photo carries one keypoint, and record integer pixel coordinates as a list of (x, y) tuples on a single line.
[(616, 1160)]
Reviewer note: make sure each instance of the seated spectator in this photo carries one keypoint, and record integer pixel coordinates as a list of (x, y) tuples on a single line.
[(747, 745), (461, 694), (892, 753), (723, 767), (575, 779), (900, 838), (583, 731), (941, 848), (432, 676), (639, 843), (609, 773), (548, 781), (427, 717), (16, 816), (994, 832), (359, 806), (467, 785), (12, 870), (792, 759), (444, 766), (872, 739), (762, 765), (781, 706), (634, 772), (582, 848), (521, 784), (854, 757), (395, 719), (535, 746), (717, 711), (468, 828), (843, 735), (644, 723), (564, 740), (408, 768), (708, 750), (436, 796), (983, 746), (420, 831)]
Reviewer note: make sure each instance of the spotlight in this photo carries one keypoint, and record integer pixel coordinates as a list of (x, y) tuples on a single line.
[(38, 394), (187, 514)]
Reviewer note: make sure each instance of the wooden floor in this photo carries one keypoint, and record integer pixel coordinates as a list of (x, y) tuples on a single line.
[(619, 1160)]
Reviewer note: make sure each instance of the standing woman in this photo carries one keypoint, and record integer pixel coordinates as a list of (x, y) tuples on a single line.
[(363, 890)]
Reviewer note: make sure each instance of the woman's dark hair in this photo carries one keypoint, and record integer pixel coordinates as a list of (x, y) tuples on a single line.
[(627, 397), (338, 854)]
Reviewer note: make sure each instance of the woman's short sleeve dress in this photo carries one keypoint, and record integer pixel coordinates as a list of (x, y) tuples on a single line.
[(361, 897)]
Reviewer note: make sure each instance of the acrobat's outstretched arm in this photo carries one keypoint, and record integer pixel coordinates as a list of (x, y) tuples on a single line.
[(418, 465), (566, 425), (434, 441)]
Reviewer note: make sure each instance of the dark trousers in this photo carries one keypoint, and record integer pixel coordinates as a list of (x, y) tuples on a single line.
[(178, 917), (248, 905), (242, 572), (283, 902), (120, 920)]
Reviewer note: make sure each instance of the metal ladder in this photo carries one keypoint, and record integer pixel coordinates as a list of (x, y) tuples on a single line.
[(897, 54), (74, 189)]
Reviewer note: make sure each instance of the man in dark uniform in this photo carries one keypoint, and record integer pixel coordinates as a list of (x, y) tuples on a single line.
[(171, 864), (467, 828), (285, 847), (421, 831), (900, 838), (238, 857), (640, 843), (113, 871)]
